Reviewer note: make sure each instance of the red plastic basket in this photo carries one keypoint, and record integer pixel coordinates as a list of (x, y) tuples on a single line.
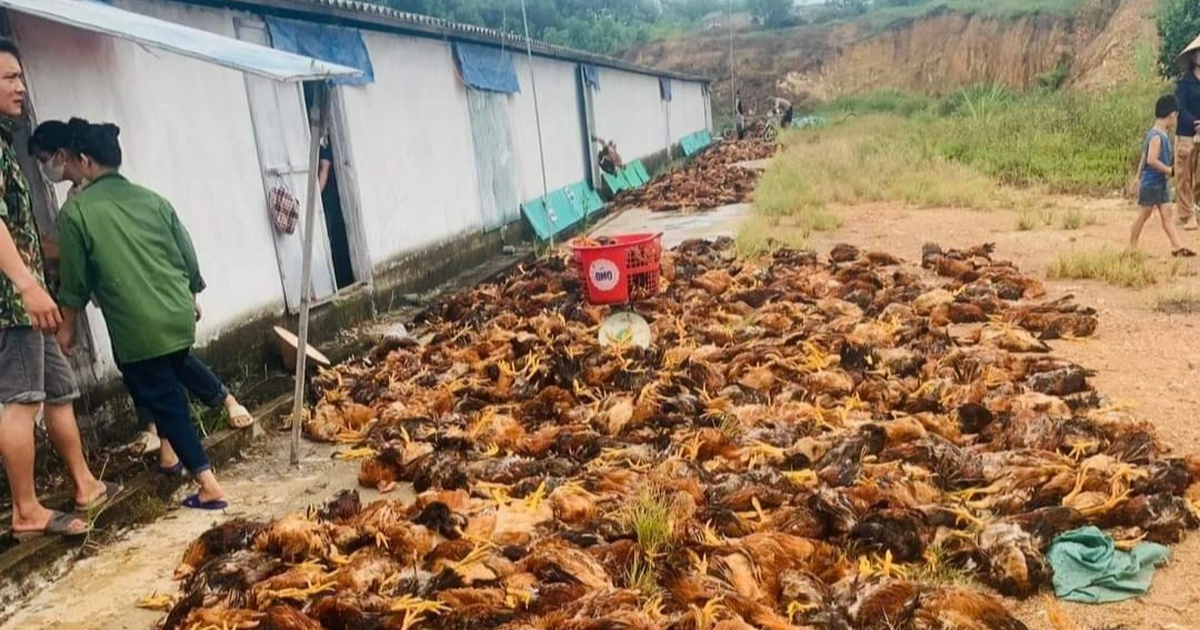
[(621, 270)]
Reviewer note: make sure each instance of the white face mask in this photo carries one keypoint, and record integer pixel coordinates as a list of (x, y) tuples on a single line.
[(53, 171)]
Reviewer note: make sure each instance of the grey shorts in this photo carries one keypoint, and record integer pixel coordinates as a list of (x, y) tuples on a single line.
[(33, 369), (1151, 195)]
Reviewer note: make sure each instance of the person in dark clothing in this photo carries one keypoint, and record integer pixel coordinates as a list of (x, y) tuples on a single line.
[(1187, 157), (335, 219), (783, 108), (740, 113)]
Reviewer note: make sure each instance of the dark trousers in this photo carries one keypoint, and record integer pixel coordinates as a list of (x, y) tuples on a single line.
[(157, 385), (199, 381)]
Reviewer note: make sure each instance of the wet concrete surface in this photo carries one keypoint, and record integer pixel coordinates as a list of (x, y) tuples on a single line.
[(677, 227)]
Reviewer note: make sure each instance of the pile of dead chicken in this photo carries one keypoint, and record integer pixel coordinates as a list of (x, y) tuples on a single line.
[(712, 180), (851, 445)]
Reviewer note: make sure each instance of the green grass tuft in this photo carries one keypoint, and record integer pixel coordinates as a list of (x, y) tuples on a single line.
[(1125, 269), (1178, 302), (1073, 220), (648, 517)]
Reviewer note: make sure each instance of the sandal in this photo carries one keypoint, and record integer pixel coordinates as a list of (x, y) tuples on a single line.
[(111, 490), (194, 502), (1183, 252), (240, 418), (145, 444), (59, 525)]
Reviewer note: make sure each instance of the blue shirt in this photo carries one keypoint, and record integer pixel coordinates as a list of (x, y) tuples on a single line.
[(1151, 177)]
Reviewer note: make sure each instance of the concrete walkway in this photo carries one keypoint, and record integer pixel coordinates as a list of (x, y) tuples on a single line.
[(677, 227)]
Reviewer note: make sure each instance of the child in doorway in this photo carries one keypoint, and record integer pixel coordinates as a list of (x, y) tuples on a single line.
[(1154, 191)]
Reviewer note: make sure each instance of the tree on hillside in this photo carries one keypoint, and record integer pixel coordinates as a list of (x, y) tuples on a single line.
[(603, 26), (1178, 25), (771, 13), (849, 7)]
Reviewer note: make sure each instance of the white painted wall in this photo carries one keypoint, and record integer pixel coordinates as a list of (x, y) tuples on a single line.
[(562, 126), (688, 109), (186, 134), (629, 110), (411, 139)]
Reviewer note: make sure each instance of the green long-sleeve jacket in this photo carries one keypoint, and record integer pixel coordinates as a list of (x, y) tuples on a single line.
[(124, 244)]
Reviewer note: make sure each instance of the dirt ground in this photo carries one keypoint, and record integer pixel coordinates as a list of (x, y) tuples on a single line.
[(1145, 358), (102, 592)]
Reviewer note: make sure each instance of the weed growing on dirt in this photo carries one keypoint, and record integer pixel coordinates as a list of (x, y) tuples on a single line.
[(1026, 221), (1178, 302), (1125, 269), (878, 158), (765, 235), (1074, 219)]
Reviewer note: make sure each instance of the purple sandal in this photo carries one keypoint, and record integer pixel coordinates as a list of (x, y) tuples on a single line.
[(195, 503)]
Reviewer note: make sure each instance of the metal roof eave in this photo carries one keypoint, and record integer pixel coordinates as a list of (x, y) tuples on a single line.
[(184, 40), (380, 18)]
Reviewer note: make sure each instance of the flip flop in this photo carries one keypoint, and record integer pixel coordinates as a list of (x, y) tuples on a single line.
[(240, 418), (194, 502), (172, 471), (59, 525), (145, 444), (111, 490), (1183, 253)]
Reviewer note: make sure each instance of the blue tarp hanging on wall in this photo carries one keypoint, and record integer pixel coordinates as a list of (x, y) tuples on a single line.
[(335, 44), (487, 68), (591, 75), (664, 86)]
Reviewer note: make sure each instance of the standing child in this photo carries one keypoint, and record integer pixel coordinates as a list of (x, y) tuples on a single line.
[(1154, 193)]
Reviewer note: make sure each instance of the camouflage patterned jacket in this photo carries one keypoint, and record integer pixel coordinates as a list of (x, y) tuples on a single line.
[(16, 210)]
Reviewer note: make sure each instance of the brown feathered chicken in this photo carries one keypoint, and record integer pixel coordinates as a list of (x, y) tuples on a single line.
[(1015, 565), (222, 539)]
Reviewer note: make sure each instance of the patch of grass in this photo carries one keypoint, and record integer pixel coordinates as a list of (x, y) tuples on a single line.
[(1125, 269), (1178, 302), (642, 576), (760, 235), (1026, 221), (897, 102), (1072, 219), (209, 421), (877, 158), (648, 516), (886, 17), (1060, 141), (936, 570), (146, 508)]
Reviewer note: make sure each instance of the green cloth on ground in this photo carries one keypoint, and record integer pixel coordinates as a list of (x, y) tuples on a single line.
[(125, 244), (1089, 569)]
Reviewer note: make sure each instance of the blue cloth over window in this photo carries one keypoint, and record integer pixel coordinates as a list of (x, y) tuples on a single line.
[(335, 44), (591, 75), (487, 68), (664, 86)]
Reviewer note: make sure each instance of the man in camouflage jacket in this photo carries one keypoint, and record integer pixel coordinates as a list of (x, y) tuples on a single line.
[(34, 374)]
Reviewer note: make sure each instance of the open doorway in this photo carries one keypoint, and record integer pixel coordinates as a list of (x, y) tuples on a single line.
[(331, 200)]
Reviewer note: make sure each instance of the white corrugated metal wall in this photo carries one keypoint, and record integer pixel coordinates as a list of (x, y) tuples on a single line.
[(562, 133), (188, 134), (413, 149)]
